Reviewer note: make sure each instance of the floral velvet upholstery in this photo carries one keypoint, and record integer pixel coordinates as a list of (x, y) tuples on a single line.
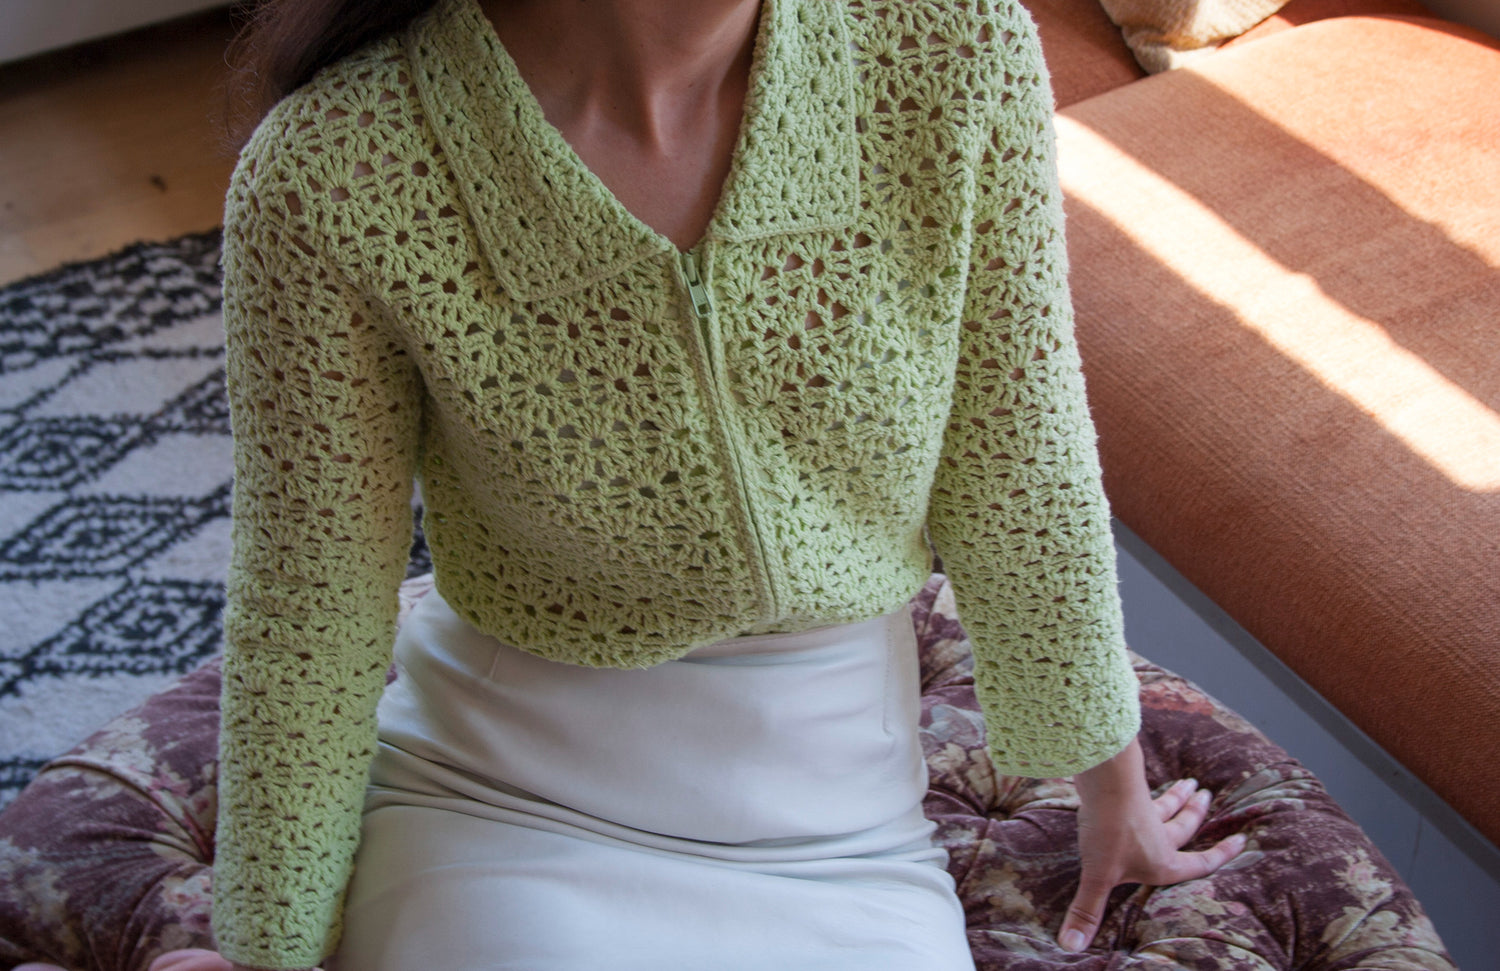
[(106, 859)]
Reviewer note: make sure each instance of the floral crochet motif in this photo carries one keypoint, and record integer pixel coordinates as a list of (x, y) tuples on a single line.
[(626, 451)]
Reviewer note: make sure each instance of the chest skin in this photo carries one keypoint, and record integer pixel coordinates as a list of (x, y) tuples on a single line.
[(662, 146), (578, 417)]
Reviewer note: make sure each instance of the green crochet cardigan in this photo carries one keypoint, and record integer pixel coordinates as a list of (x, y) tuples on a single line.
[(626, 451)]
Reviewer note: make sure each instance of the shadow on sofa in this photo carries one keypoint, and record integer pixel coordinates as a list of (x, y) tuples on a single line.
[(1285, 266)]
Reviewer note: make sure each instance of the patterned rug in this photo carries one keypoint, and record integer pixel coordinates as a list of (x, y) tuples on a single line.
[(115, 473)]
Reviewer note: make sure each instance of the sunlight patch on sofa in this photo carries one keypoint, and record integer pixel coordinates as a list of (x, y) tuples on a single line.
[(1453, 431)]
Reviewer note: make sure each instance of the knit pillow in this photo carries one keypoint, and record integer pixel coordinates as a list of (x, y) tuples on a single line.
[(1165, 34)]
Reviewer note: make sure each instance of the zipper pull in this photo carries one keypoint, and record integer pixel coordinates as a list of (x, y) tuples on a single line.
[(697, 292)]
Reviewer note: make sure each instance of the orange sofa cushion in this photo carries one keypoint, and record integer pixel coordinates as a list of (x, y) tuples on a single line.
[(1306, 11), (1286, 267), (1086, 53)]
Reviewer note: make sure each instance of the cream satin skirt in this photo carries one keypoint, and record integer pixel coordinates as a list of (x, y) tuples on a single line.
[(753, 806)]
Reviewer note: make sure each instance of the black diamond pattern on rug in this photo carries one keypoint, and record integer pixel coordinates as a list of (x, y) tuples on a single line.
[(17, 770), (151, 627), (60, 453), (115, 478), (97, 536), (202, 409), (87, 307), (115, 472)]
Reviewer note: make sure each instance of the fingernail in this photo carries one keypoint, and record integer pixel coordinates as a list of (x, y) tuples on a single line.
[(1072, 941), (1203, 796)]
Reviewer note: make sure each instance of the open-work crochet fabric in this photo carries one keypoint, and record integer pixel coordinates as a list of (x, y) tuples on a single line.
[(106, 859), (626, 451)]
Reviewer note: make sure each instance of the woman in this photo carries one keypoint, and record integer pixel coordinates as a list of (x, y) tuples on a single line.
[(701, 324)]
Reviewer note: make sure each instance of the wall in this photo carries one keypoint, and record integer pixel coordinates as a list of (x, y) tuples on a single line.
[(30, 26)]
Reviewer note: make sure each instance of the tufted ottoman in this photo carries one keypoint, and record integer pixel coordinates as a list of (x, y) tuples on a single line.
[(106, 858)]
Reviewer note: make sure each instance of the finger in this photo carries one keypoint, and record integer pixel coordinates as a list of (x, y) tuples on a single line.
[(1183, 826), (1169, 803), (191, 959), (1085, 913), (1197, 865)]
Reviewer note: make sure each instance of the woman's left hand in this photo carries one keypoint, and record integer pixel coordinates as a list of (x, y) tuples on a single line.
[(1125, 836)]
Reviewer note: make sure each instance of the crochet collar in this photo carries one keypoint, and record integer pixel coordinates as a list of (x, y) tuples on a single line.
[(546, 221)]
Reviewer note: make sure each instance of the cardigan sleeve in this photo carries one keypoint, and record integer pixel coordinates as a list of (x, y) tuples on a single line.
[(1017, 511), (324, 404)]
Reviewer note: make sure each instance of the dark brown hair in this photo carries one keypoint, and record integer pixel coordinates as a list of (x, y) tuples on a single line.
[(285, 42)]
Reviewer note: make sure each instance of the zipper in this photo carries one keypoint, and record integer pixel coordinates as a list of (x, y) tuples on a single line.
[(692, 275), (702, 307)]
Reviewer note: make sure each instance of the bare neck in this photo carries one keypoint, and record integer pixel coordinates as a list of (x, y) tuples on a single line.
[(649, 68)]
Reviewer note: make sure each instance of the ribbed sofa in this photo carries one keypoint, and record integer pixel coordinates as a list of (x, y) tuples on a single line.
[(1286, 269)]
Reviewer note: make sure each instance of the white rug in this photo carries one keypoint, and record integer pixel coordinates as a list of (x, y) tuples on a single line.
[(115, 472)]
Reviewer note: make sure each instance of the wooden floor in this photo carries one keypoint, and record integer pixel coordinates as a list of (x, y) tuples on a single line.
[(113, 142)]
